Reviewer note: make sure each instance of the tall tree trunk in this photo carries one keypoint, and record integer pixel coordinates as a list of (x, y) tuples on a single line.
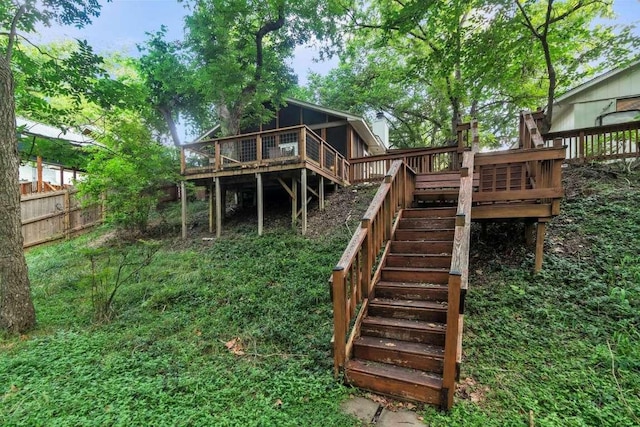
[(168, 118), (16, 308), (551, 91)]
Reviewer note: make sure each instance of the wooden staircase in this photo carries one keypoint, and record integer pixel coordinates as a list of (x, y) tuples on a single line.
[(400, 350)]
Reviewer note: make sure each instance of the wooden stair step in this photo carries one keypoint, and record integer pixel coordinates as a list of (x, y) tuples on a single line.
[(438, 247), (423, 235), (436, 194), (414, 274), (400, 353), (411, 291), (404, 330), (426, 223), (435, 212), (428, 311), (419, 260), (405, 383)]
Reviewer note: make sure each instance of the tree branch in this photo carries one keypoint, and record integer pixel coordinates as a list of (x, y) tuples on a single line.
[(13, 31)]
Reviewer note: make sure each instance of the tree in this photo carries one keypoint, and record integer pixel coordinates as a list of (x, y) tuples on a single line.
[(566, 40), (168, 73), (241, 49), (17, 313)]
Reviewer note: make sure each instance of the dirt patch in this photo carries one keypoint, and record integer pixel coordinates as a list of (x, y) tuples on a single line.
[(344, 209)]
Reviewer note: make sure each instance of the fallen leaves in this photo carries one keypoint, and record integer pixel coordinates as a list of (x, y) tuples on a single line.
[(235, 346), (469, 389)]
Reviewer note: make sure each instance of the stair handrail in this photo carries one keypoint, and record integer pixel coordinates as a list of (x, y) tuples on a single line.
[(354, 275), (458, 274)]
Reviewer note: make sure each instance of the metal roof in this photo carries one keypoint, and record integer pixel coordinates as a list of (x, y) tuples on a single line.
[(45, 131)]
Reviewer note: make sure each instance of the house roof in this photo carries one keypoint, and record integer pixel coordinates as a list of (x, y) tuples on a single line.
[(358, 123), (595, 81), (45, 131)]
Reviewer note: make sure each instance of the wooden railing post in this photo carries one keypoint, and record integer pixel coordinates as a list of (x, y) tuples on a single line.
[(302, 144), (339, 319), (368, 250), (183, 161), (218, 160), (451, 341), (258, 148), (581, 147)]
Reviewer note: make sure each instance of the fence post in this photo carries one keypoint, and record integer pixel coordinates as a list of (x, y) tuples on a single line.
[(581, 147), (67, 213)]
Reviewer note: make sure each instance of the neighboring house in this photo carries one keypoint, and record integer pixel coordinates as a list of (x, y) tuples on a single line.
[(49, 170), (613, 97), (349, 134)]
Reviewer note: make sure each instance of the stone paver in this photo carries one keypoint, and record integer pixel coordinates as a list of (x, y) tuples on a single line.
[(365, 410)]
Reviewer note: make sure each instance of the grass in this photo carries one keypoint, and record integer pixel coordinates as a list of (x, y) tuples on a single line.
[(236, 332)]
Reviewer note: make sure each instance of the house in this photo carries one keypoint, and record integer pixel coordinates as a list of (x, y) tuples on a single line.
[(610, 98), (303, 144), (45, 165)]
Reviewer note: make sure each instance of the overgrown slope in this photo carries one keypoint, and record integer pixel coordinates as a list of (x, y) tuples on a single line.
[(236, 332), (561, 348)]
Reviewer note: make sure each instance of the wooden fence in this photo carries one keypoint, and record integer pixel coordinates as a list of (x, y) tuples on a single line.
[(55, 215)]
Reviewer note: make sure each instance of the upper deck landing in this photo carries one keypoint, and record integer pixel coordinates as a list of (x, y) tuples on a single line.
[(285, 149)]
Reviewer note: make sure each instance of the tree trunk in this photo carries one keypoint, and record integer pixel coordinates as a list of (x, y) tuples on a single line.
[(168, 118), (16, 308), (551, 71)]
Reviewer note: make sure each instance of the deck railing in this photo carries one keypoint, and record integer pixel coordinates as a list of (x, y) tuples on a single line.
[(421, 160), (358, 269), (529, 132), (609, 142), (297, 144), (458, 281), (520, 175)]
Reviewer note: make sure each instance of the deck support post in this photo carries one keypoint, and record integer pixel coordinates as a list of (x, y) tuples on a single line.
[(212, 215), (219, 207), (541, 230), (260, 203), (294, 202), (183, 200), (39, 175), (303, 194), (321, 193)]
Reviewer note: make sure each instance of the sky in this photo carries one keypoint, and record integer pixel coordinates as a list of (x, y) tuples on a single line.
[(124, 23)]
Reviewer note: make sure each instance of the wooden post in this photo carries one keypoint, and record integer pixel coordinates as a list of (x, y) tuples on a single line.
[(75, 174), (219, 203), (367, 259), (302, 145), (40, 185), (542, 228), (61, 177), (451, 338), (183, 199), (67, 213), (259, 149), (339, 319), (321, 193), (581, 143), (212, 215), (217, 160), (303, 196), (294, 202), (260, 204), (183, 161)]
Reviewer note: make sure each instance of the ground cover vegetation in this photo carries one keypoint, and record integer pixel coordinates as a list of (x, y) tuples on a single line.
[(237, 331)]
